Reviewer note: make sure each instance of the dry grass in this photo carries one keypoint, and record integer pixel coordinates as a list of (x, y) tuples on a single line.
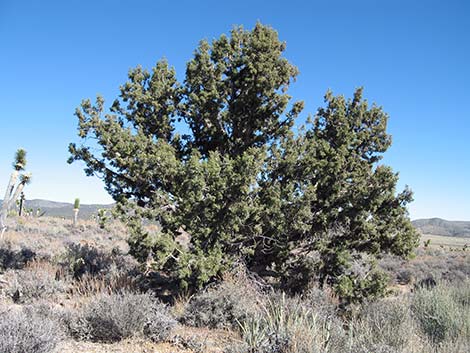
[(429, 263), (125, 346), (47, 236), (443, 241), (204, 340), (91, 285)]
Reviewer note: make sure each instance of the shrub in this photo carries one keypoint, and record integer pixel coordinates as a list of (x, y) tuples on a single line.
[(81, 259), (442, 312), (386, 324), (361, 279), (28, 330), (404, 276), (112, 317), (16, 259), (322, 301), (223, 306), (37, 280)]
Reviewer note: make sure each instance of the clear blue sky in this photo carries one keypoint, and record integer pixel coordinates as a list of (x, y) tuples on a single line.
[(412, 57)]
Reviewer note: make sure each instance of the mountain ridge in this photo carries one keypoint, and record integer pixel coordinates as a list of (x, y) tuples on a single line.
[(63, 209), (439, 226), (434, 226)]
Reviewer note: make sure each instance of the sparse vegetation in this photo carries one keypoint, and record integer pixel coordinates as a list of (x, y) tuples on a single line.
[(39, 280), (436, 264), (88, 294)]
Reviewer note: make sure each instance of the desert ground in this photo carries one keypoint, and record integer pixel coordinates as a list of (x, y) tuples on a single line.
[(66, 289)]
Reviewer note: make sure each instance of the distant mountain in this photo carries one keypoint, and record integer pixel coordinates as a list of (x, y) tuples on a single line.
[(434, 226), (63, 209), (438, 226)]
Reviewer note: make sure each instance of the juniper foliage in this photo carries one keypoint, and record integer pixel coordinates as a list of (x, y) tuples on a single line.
[(215, 158)]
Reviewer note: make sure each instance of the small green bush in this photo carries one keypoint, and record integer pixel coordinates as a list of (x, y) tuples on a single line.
[(82, 259), (443, 312)]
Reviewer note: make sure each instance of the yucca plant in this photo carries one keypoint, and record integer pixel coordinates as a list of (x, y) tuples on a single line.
[(289, 325)]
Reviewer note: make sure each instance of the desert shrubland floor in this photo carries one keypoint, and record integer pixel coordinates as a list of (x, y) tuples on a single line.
[(66, 289)]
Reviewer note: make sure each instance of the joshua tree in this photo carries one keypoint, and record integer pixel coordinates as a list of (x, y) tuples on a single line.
[(25, 179), (76, 208), (11, 195)]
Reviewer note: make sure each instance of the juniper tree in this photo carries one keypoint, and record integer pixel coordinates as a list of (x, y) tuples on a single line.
[(215, 158), (329, 203)]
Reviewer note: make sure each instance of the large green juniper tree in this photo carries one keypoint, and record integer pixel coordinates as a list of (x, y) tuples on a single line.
[(214, 159)]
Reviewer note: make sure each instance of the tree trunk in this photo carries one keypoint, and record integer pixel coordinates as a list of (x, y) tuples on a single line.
[(3, 226), (75, 217), (20, 213), (6, 202), (16, 194), (9, 190)]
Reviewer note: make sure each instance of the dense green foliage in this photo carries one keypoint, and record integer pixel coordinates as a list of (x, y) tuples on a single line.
[(214, 159)]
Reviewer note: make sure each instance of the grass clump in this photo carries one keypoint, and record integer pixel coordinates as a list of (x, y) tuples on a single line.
[(288, 325)]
